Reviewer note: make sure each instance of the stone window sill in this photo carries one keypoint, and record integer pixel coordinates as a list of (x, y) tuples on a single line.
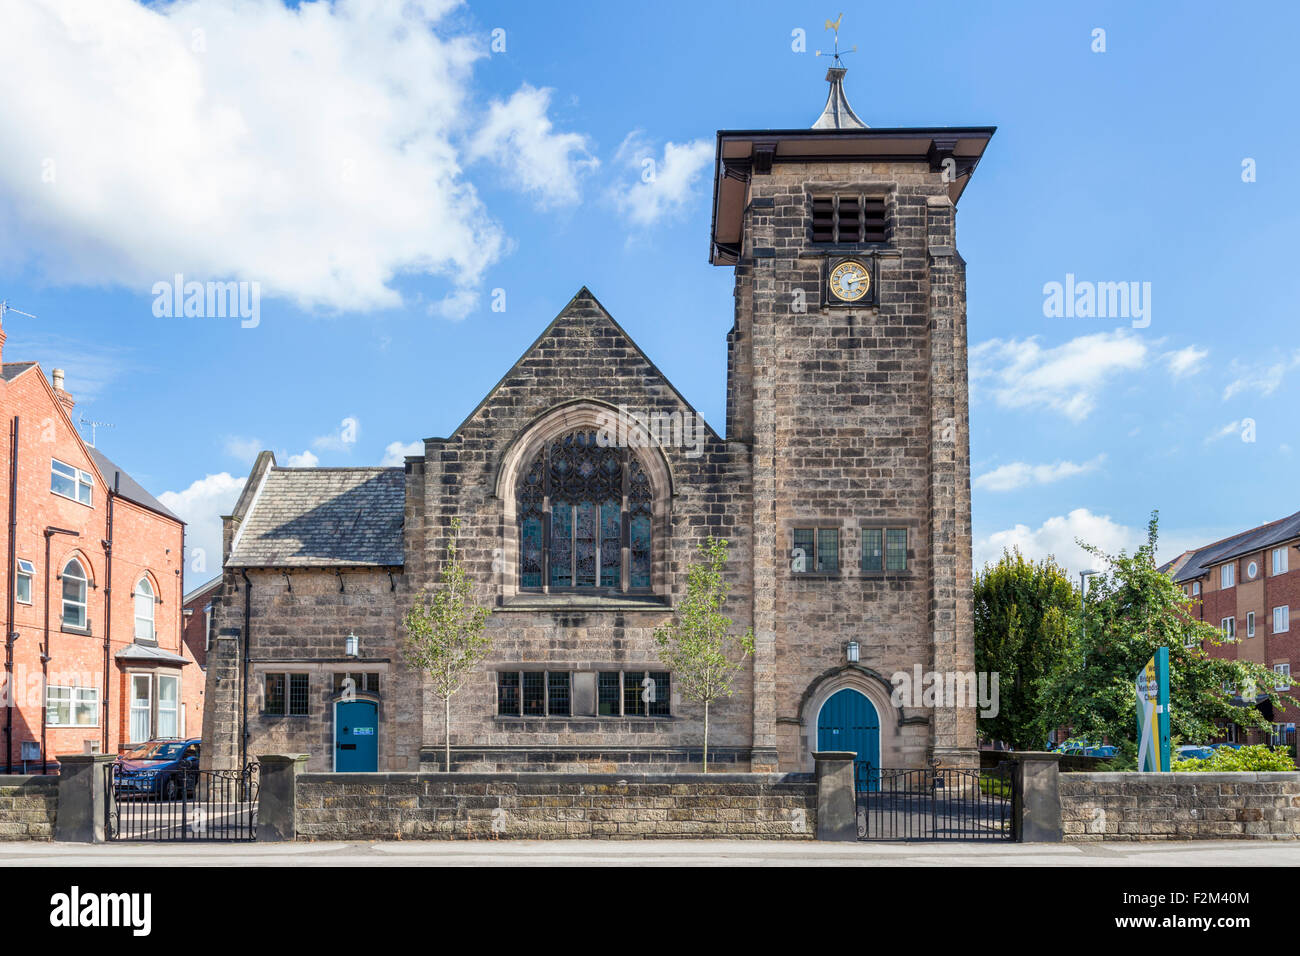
[(569, 601)]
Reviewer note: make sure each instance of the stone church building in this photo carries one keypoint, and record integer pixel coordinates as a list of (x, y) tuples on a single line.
[(840, 479)]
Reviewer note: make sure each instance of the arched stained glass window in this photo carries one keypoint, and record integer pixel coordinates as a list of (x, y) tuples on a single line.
[(581, 505)]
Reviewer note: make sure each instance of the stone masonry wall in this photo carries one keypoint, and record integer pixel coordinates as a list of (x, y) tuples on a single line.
[(28, 806), (1180, 806), (555, 806)]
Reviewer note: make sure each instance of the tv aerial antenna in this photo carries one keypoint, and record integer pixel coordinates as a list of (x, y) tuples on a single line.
[(6, 307), (93, 425)]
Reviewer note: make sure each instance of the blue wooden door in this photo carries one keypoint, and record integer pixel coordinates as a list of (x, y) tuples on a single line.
[(356, 736), (848, 721)]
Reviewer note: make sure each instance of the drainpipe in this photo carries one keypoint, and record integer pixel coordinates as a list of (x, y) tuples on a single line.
[(10, 634), (50, 532), (243, 683), (108, 609)]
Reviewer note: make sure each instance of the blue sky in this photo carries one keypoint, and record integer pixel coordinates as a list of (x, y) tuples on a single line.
[(379, 170)]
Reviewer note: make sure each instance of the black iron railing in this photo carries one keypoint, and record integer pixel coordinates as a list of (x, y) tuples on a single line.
[(935, 804), (182, 804)]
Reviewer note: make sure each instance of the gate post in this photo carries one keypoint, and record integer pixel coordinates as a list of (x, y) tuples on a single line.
[(83, 798), (1037, 810), (837, 804), (277, 796)]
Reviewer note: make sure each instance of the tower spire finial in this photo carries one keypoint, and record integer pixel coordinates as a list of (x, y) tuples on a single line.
[(837, 113)]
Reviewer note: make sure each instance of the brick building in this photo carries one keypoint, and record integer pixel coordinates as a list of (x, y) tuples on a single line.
[(92, 590), (1249, 585), (841, 480)]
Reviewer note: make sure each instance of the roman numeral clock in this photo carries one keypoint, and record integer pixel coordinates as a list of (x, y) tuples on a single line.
[(850, 281)]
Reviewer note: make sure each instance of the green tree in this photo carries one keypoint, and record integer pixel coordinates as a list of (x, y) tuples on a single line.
[(699, 646), (445, 633), (1026, 631), (1132, 609)]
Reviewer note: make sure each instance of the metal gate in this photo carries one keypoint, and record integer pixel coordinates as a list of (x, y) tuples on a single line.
[(182, 804), (936, 804)]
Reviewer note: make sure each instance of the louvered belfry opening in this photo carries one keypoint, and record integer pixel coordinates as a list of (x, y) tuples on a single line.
[(846, 218)]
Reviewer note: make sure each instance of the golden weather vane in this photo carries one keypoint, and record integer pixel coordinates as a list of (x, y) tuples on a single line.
[(834, 25)]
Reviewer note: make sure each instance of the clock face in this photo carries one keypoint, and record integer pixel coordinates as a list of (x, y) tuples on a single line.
[(850, 280)]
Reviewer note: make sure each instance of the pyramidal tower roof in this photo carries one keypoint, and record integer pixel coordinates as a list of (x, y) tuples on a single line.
[(838, 114)]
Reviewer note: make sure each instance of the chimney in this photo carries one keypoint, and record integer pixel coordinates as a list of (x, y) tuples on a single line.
[(56, 377)]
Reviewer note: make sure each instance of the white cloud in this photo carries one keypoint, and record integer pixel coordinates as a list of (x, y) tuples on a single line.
[(455, 306), (664, 184), (311, 149), (1056, 536), (1229, 429), (396, 452), (1185, 362), (342, 440), (201, 506), (242, 448), (304, 460), (1261, 378), (519, 137), (1019, 474), (1067, 378)]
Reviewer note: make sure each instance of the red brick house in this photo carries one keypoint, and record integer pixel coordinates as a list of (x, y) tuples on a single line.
[(1248, 585), (91, 594)]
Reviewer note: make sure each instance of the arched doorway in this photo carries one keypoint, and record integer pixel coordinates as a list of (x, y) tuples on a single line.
[(848, 721)]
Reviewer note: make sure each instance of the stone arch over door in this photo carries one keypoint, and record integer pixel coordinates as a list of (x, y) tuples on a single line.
[(875, 689)]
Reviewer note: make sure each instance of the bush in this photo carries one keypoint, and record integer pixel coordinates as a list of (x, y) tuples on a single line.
[(1256, 758)]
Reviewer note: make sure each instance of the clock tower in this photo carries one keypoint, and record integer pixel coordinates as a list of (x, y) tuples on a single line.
[(847, 380)]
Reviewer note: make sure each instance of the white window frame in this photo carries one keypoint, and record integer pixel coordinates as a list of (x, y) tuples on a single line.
[(75, 697), (1283, 671), (83, 604), (136, 596), (148, 707), (81, 481), (1250, 623), (1280, 560), (207, 627), (1282, 617), (1229, 627), (1196, 588), (1278, 737), (174, 711), (1227, 575), (1252, 569), (1231, 732), (26, 570)]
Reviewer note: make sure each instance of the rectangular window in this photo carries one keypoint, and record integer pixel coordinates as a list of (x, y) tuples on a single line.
[(530, 546), (23, 582), (848, 218), (169, 706), (611, 546), (207, 628), (1227, 575), (1250, 623), (815, 550), (299, 702), (1229, 625), (287, 695), (1279, 560), (534, 693), (70, 482), (558, 693), (1279, 736), (1283, 672), (359, 683), (141, 707), (508, 693), (638, 529), (586, 547), (634, 694), (1196, 588), (607, 694), (873, 549), (1281, 619), (660, 704), (72, 706), (561, 546), (896, 549)]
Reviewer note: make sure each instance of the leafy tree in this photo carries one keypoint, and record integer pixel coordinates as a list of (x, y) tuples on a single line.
[(445, 633), (1026, 631), (698, 647), (1132, 609)]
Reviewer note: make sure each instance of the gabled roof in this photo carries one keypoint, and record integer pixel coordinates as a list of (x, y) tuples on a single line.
[(322, 517), (11, 370), (127, 487), (209, 587), (1199, 563)]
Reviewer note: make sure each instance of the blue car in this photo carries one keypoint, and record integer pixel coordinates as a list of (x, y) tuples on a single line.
[(163, 769), (1194, 752)]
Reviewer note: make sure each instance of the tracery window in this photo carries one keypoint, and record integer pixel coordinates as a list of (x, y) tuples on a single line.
[(581, 506)]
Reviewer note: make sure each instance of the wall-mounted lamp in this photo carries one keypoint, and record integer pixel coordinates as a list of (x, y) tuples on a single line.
[(853, 652), (352, 645)]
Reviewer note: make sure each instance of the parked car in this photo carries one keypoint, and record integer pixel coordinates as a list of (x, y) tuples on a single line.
[(162, 769), (1227, 746), (1195, 752)]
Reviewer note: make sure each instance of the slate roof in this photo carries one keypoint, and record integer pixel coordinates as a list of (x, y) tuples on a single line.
[(1199, 562), (147, 652), (324, 517), (128, 487), (11, 370)]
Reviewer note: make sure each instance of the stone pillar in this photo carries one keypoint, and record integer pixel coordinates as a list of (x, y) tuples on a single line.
[(277, 796), (837, 804), (84, 798), (1038, 797)]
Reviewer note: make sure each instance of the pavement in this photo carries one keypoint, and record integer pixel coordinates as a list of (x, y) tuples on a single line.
[(1225, 853)]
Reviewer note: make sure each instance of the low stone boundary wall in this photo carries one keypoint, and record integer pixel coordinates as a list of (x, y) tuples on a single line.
[(1180, 806), (28, 806), (416, 806)]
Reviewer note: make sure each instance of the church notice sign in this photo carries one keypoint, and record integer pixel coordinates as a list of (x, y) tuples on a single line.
[(1153, 713)]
